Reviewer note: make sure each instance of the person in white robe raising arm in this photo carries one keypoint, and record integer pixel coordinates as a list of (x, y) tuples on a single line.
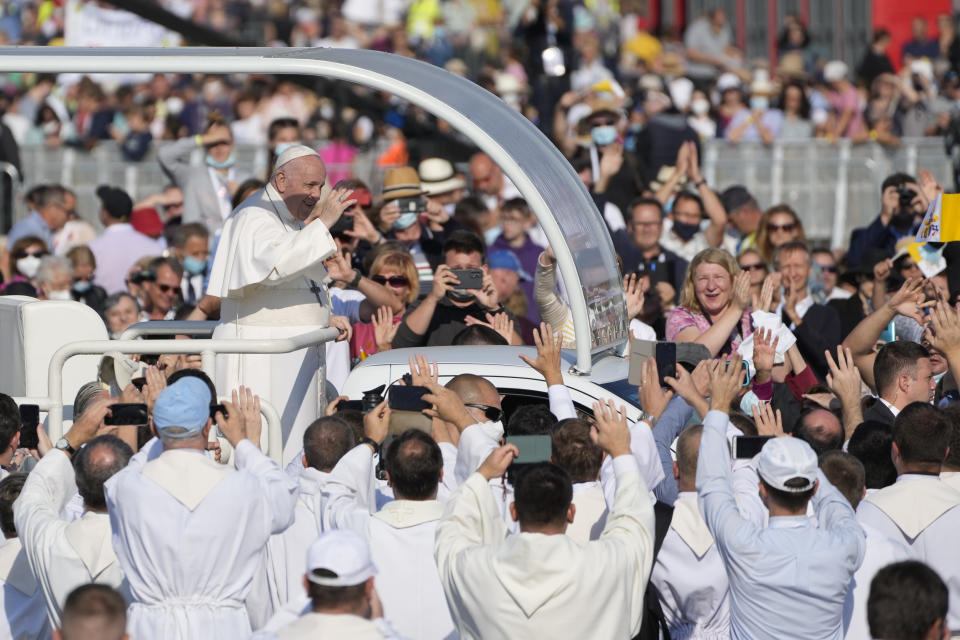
[(541, 583), (268, 272)]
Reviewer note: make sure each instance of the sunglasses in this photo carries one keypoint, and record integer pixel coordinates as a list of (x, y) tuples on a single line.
[(780, 227), (757, 266), (166, 288), (492, 414), (24, 254), (393, 281), (832, 269)]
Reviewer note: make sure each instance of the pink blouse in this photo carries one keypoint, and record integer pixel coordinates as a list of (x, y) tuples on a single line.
[(681, 318)]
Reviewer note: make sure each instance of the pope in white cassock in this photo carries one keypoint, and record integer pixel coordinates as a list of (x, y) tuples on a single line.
[(268, 272)]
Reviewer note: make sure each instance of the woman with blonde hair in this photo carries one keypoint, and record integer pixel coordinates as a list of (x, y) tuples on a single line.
[(714, 304), (779, 225), (395, 270)]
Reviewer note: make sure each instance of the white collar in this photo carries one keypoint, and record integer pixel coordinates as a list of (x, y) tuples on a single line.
[(892, 408)]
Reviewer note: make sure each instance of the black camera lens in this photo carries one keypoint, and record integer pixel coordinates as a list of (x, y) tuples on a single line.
[(372, 398)]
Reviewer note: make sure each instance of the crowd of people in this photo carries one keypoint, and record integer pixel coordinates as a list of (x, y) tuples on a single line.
[(844, 360)]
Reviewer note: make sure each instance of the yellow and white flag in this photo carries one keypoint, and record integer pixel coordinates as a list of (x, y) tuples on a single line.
[(942, 222)]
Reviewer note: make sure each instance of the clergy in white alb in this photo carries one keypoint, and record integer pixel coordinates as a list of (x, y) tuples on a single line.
[(64, 555), (189, 532), (268, 272), (324, 442), (688, 573), (343, 599), (402, 532), (21, 599), (541, 583), (919, 509)]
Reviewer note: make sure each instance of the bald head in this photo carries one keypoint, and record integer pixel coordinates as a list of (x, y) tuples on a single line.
[(474, 389), (487, 176), (96, 463), (821, 429), (299, 182)]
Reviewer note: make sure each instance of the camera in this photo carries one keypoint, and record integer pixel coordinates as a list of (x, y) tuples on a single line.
[(906, 196), (371, 398)]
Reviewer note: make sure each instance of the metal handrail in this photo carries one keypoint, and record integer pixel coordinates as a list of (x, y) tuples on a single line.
[(206, 347)]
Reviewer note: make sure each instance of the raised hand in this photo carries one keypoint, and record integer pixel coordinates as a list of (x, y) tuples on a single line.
[(487, 295), (634, 290), (653, 399), (907, 300), (422, 372), (944, 330), (447, 406), (331, 205), (740, 296), (376, 423), (771, 285), (725, 383), (363, 228), (548, 361), (502, 324), (929, 186), (444, 280), (156, 382), (248, 405), (384, 328), (764, 352), (333, 404), (768, 423), (844, 378), (610, 431), (338, 267), (498, 461), (232, 425)]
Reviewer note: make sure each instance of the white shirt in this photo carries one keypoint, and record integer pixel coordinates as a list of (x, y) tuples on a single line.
[(319, 626), (881, 551), (400, 536), (591, 512), (801, 308), (189, 533), (690, 577), (889, 406), (532, 585), (21, 598), (63, 555), (923, 513), (117, 249)]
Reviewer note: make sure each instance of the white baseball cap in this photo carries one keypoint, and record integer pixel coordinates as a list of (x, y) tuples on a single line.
[(342, 552), (783, 459), (834, 70)]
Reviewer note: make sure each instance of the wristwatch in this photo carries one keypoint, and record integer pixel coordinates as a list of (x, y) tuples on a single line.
[(649, 418), (356, 278), (64, 445), (371, 442)]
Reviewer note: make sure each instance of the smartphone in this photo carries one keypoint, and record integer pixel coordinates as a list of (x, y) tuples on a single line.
[(746, 373), (469, 278), (127, 413), (666, 356), (748, 446), (350, 405), (344, 223), (532, 448), (403, 398), (29, 419), (214, 408), (138, 382), (412, 205)]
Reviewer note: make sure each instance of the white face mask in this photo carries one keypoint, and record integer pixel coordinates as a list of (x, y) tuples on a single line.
[(28, 265), (700, 106), (63, 294)]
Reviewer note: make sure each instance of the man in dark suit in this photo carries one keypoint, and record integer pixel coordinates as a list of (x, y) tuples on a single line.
[(902, 374), (816, 326)]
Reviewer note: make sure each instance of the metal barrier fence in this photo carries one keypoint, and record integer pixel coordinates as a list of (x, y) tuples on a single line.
[(833, 187)]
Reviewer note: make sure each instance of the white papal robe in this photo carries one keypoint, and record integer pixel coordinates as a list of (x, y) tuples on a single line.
[(266, 265), (189, 533)]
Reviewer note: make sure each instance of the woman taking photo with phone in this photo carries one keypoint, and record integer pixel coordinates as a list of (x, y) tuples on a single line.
[(714, 304), (397, 271)]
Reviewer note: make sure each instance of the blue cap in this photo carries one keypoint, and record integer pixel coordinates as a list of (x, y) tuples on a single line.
[(184, 404), (504, 259)]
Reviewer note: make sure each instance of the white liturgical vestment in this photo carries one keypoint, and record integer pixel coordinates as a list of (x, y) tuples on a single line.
[(690, 578), (533, 585), (401, 536), (267, 273), (63, 555), (923, 513), (21, 600), (189, 533), (880, 552)]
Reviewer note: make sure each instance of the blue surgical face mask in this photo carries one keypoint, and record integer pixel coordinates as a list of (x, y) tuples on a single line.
[(226, 164), (405, 220), (938, 377), (194, 266), (759, 103), (283, 146), (80, 287), (602, 136), (748, 402), (490, 235)]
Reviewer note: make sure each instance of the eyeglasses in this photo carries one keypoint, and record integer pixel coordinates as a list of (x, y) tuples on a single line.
[(780, 227), (493, 414), (758, 266), (166, 288), (393, 281), (33, 254)]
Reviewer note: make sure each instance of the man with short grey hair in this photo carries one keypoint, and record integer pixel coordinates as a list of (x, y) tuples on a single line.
[(268, 273), (54, 278), (190, 532), (64, 555), (47, 219)]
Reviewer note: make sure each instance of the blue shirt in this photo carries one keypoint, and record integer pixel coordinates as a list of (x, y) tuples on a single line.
[(789, 580), (32, 225)]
